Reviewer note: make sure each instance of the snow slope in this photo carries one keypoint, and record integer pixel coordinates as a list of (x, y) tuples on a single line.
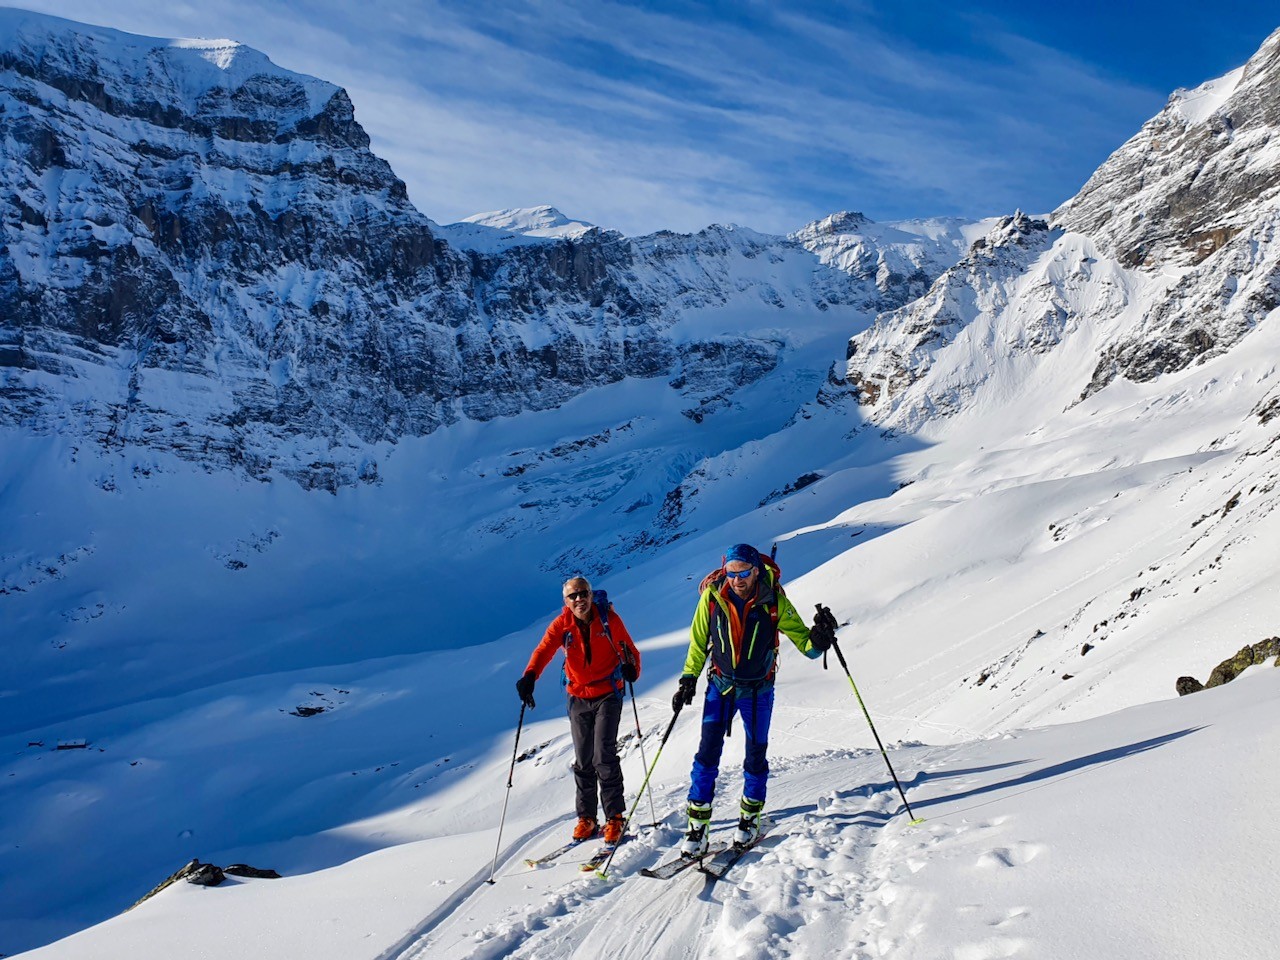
[(1017, 540), (1128, 836)]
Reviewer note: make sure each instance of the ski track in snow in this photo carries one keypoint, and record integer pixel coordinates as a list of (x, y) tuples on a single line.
[(828, 873)]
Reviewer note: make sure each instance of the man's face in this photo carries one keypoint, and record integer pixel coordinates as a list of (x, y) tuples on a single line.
[(577, 597), (742, 585)]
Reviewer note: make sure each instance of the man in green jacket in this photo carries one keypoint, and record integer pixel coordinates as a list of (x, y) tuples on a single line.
[(735, 627)]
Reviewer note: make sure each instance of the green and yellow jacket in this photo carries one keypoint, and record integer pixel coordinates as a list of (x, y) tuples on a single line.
[(742, 644)]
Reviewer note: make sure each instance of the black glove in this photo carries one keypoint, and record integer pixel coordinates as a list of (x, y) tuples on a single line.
[(524, 687), (684, 696), (823, 634), (630, 673)]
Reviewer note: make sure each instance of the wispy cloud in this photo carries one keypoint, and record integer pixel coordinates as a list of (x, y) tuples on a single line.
[(641, 116)]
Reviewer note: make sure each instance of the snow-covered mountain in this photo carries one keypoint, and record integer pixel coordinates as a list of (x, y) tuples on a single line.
[(205, 257), (1165, 258), (499, 229), (291, 476)]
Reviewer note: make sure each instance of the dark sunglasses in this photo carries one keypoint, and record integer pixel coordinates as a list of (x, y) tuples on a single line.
[(739, 574), (578, 595)]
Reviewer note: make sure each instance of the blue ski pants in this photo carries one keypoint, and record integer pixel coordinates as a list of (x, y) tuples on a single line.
[(718, 709)]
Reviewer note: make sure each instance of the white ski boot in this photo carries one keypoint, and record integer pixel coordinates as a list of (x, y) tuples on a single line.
[(748, 821), (695, 842)]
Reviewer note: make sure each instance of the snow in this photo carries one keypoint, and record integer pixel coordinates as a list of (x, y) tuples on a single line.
[(1020, 583), (189, 67), (1122, 836), (500, 230), (1089, 816), (1198, 105)]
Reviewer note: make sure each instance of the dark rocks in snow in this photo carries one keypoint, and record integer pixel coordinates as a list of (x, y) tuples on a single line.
[(1267, 410), (244, 870), (1187, 685), (799, 483), (207, 875), (1248, 656)]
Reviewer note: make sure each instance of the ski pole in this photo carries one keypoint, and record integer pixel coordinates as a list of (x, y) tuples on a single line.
[(624, 656), (866, 713), (510, 775), (603, 872), (643, 759)]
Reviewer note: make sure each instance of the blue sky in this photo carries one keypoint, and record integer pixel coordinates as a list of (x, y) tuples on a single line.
[(643, 116)]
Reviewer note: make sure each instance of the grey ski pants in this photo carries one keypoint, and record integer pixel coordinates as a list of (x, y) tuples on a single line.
[(594, 724)]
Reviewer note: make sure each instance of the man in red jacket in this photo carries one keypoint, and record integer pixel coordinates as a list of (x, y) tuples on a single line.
[(598, 657)]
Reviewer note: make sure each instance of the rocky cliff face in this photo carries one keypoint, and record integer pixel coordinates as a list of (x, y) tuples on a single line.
[(1168, 256), (900, 349), (201, 253), (1195, 191)]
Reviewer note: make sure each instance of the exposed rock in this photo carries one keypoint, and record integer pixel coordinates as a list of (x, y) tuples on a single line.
[(901, 348), (244, 870), (1248, 656), (1187, 685), (206, 875), (1168, 256), (181, 873), (1187, 195)]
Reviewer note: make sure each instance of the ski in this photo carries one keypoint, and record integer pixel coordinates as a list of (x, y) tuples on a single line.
[(553, 855), (665, 871), (717, 866), (600, 856)]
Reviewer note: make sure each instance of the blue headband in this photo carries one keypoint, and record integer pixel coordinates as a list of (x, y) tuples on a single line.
[(743, 553)]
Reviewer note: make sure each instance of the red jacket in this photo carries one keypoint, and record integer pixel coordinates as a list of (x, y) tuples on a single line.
[(587, 680)]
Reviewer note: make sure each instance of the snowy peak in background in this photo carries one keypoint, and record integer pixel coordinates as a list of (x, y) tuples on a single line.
[(177, 215), (543, 221), (500, 230), (193, 76), (900, 258), (1166, 258), (1195, 177)]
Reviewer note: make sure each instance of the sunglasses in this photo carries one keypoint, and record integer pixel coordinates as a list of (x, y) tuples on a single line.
[(739, 574), (577, 595)]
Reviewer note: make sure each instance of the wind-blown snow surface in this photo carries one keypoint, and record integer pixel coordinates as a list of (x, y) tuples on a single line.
[(1129, 836)]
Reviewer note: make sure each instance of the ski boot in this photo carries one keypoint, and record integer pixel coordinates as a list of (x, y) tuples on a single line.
[(695, 842), (748, 822)]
